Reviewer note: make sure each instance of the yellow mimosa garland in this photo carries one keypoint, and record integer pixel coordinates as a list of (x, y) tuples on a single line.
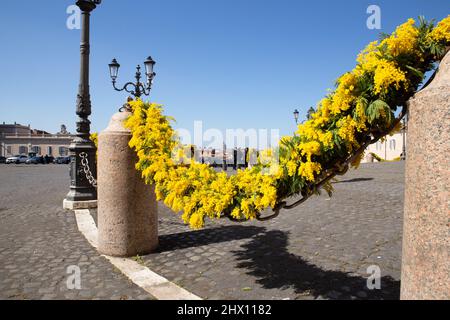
[(387, 74)]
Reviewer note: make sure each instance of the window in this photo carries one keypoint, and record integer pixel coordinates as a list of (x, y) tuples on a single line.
[(8, 150), (392, 144), (36, 149), (63, 151), (378, 145), (23, 150), (50, 150)]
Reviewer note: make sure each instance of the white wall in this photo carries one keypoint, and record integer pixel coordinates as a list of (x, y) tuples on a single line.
[(390, 149)]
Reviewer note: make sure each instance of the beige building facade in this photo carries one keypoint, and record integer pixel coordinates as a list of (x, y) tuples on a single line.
[(389, 149), (16, 139)]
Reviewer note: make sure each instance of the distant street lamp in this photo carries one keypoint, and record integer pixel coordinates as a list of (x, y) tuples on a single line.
[(136, 89), (296, 115), (83, 169), (403, 156)]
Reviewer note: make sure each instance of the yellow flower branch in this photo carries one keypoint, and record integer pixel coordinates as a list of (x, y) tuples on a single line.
[(359, 112)]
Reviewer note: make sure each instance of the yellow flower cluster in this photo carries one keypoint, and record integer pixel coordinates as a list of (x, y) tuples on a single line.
[(342, 120), (347, 127), (386, 75), (94, 138), (311, 130), (196, 189), (442, 31), (403, 40), (368, 58), (385, 72), (309, 170), (344, 95)]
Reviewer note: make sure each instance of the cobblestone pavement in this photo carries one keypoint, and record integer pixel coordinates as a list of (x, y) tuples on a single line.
[(320, 250), (39, 241)]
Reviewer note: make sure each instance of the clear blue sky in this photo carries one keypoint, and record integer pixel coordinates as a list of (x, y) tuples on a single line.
[(230, 63)]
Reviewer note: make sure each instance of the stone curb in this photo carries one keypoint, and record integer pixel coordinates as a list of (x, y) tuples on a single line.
[(79, 205), (153, 283)]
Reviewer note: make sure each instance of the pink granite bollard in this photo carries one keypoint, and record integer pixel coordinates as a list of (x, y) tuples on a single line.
[(426, 231), (127, 209)]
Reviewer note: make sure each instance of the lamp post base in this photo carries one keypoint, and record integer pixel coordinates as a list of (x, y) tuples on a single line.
[(83, 168), (79, 205)]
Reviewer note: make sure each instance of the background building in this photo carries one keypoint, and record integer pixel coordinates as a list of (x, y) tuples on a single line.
[(390, 149), (17, 139)]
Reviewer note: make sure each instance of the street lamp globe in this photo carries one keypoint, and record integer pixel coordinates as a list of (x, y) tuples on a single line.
[(149, 64), (296, 115), (114, 69)]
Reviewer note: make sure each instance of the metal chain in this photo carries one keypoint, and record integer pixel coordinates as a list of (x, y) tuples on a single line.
[(87, 170)]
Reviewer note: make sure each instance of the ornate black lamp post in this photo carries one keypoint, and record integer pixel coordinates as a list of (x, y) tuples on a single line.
[(138, 88), (296, 114), (83, 169)]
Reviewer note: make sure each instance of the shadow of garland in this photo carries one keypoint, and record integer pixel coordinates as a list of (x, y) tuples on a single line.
[(353, 180), (266, 258), (207, 236)]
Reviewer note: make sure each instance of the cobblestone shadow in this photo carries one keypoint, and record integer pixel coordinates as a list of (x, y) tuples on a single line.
[(354, 180), (192, 239), (279, 269)]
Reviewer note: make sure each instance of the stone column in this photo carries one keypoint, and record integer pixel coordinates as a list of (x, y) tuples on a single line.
[(127, 209), (426, 230)]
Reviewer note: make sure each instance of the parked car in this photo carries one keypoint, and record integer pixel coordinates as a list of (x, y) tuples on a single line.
[(23, 159), (14, 159), (35, 160), (48, 159), (2, 160), (62, 160), (17, 159)]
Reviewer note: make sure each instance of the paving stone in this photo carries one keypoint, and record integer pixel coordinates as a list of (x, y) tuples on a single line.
[(39, 240)]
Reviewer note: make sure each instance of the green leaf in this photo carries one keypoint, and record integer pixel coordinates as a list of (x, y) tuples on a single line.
[(378, 110), (416, 72)]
